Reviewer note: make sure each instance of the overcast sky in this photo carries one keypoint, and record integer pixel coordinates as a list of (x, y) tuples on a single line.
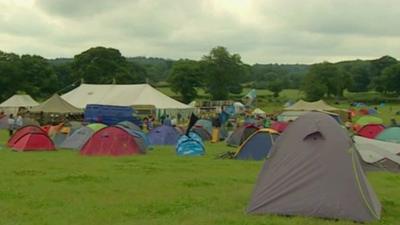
[(263, 31)]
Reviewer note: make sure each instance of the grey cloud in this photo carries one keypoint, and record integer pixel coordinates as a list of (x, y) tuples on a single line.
[(260, 30), (79, 8)]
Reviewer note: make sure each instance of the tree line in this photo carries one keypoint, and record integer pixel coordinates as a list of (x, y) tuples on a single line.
[(220, 73)]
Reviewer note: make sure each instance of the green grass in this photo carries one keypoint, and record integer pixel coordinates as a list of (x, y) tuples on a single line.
[(62, 187)]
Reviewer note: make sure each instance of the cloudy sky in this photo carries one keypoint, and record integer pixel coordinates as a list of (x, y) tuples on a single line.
[(263, 31)]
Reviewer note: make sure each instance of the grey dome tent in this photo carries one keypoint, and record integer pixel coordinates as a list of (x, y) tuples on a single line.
[(77, 139), (205, 136), (129, 125), (241, 134), (378, 155), (314, 170), (59, 138)]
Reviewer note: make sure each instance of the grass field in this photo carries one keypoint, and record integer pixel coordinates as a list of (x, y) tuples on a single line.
[(62, 187), (157, 188)]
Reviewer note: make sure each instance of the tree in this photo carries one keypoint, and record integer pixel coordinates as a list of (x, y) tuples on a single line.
[(223, 73), (334, 79), (10, 75), (390, 79), (102, 65), (185, 76), (276, 86), (313, 87), (360, 75), (39, 77)]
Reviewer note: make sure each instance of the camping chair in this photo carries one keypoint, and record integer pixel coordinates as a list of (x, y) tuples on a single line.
[(226, 155)]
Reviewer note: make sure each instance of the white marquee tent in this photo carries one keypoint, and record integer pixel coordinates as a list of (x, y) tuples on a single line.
[(125, 95), (15, 102)]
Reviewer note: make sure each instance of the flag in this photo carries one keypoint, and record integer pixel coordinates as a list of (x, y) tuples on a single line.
[(192, 122)]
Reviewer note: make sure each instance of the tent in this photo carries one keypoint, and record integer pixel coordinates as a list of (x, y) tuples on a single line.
[(73, 126), (239, 107), (129, 125), (289, 116), (29, 121), (55, 104), (364, 120), (370, 130), (372, 111), (287, 104), (258, 112), (241, 134), (314, 170), (77, 139), (203, 133), (391, 134), (257, 146), (22, 131), (190, 146), (15, 102), (111, 141), (363, 112), (140, 138), (180, 129), (96, 126), (163, 135), (125, 95), (206, 124), (59, 138), (379, 154), (31, 138), (52, 130), (279, 126), (320, 106), (311, 106)]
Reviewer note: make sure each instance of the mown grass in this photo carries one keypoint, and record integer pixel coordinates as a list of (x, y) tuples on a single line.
[(62, 187)]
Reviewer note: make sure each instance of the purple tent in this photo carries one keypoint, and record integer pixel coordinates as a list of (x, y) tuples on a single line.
[(163, 135)]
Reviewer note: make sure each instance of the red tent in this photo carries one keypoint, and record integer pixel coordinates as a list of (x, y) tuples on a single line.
[(23, 131), (363, 112), (279, 126), (370, 130), (111, 141), (34, 142)]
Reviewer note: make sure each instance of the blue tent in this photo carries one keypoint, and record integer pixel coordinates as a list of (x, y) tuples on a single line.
[(257, 146), (372, 111), (163, 135), (192, 145)]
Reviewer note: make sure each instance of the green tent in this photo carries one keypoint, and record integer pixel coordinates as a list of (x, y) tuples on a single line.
[(364, 120), (96, 126), (391, 134)]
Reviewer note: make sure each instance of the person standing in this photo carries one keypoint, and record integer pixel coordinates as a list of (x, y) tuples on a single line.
[(19, 122), (216, 123), (174, 121), (11, 124), (167, 121)]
